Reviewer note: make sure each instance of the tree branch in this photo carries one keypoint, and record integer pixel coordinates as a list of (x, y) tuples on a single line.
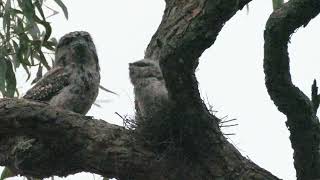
[(186, 30), (315, 96), (40, 141), (301, 115), (184, 138)]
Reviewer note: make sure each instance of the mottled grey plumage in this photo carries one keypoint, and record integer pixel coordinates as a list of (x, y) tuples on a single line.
[(73, 82), (150, 91)]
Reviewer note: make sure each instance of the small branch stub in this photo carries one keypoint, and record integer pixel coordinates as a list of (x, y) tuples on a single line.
[(315, 96)]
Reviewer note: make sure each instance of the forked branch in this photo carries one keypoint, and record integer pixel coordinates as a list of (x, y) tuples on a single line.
[(300, 111)]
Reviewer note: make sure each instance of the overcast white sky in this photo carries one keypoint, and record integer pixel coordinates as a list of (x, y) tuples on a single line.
[(230, 73)]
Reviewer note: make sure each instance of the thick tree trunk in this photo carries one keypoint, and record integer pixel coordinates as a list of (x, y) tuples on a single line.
[(301, 112), (171, 115), (174, 136)]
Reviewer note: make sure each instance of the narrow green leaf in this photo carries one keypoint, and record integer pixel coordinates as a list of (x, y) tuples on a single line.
[(28, 9), (28, 56), (38, 75), (36, 44), (19, 28), (2, 36), (15, 45), (43, 60), (51, 45), (23, 53), (277, 3), (6, 15), (48, 31), (16, 62), (20, 3), (10, 49), (3, 70), (20, 53), (41, 2), (38, 54), (6, 173), (107, 90), (47, 26), (34, 30), (63, 7), (16, 11), (11, 81), (26, 68), (6, 19), (38, 5), (22, 56), (54, 40)]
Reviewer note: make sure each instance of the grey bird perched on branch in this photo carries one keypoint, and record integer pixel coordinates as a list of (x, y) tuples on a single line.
[(73, 82)]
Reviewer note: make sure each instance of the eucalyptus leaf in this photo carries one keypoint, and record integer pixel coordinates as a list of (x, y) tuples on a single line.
[(24, 35), (38, 75), (277, 3), (11, 81), (3, 70), (22, 39), (6, 19), (28, 8), (54, 40), (21, 54), (16, 11), (6, 173), (26, 68), (47, 27), (38, 5), (43, 60), (2, 36), (51, 45), (34, 30), (63, 7), (15, 60), (6, 15), (19, 28)]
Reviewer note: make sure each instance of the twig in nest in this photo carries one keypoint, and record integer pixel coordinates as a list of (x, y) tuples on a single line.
[(127, 122)]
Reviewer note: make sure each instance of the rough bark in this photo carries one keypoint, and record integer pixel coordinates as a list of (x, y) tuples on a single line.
[(181, 118), (175, 136), (40, 141), (300, 110)]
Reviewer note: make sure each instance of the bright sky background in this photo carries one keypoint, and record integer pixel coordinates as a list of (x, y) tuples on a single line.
[(230, 73)]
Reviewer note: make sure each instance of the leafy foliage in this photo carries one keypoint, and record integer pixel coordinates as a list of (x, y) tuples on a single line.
[(24, 42), (6, 173), (25, 39), (277, 3)]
